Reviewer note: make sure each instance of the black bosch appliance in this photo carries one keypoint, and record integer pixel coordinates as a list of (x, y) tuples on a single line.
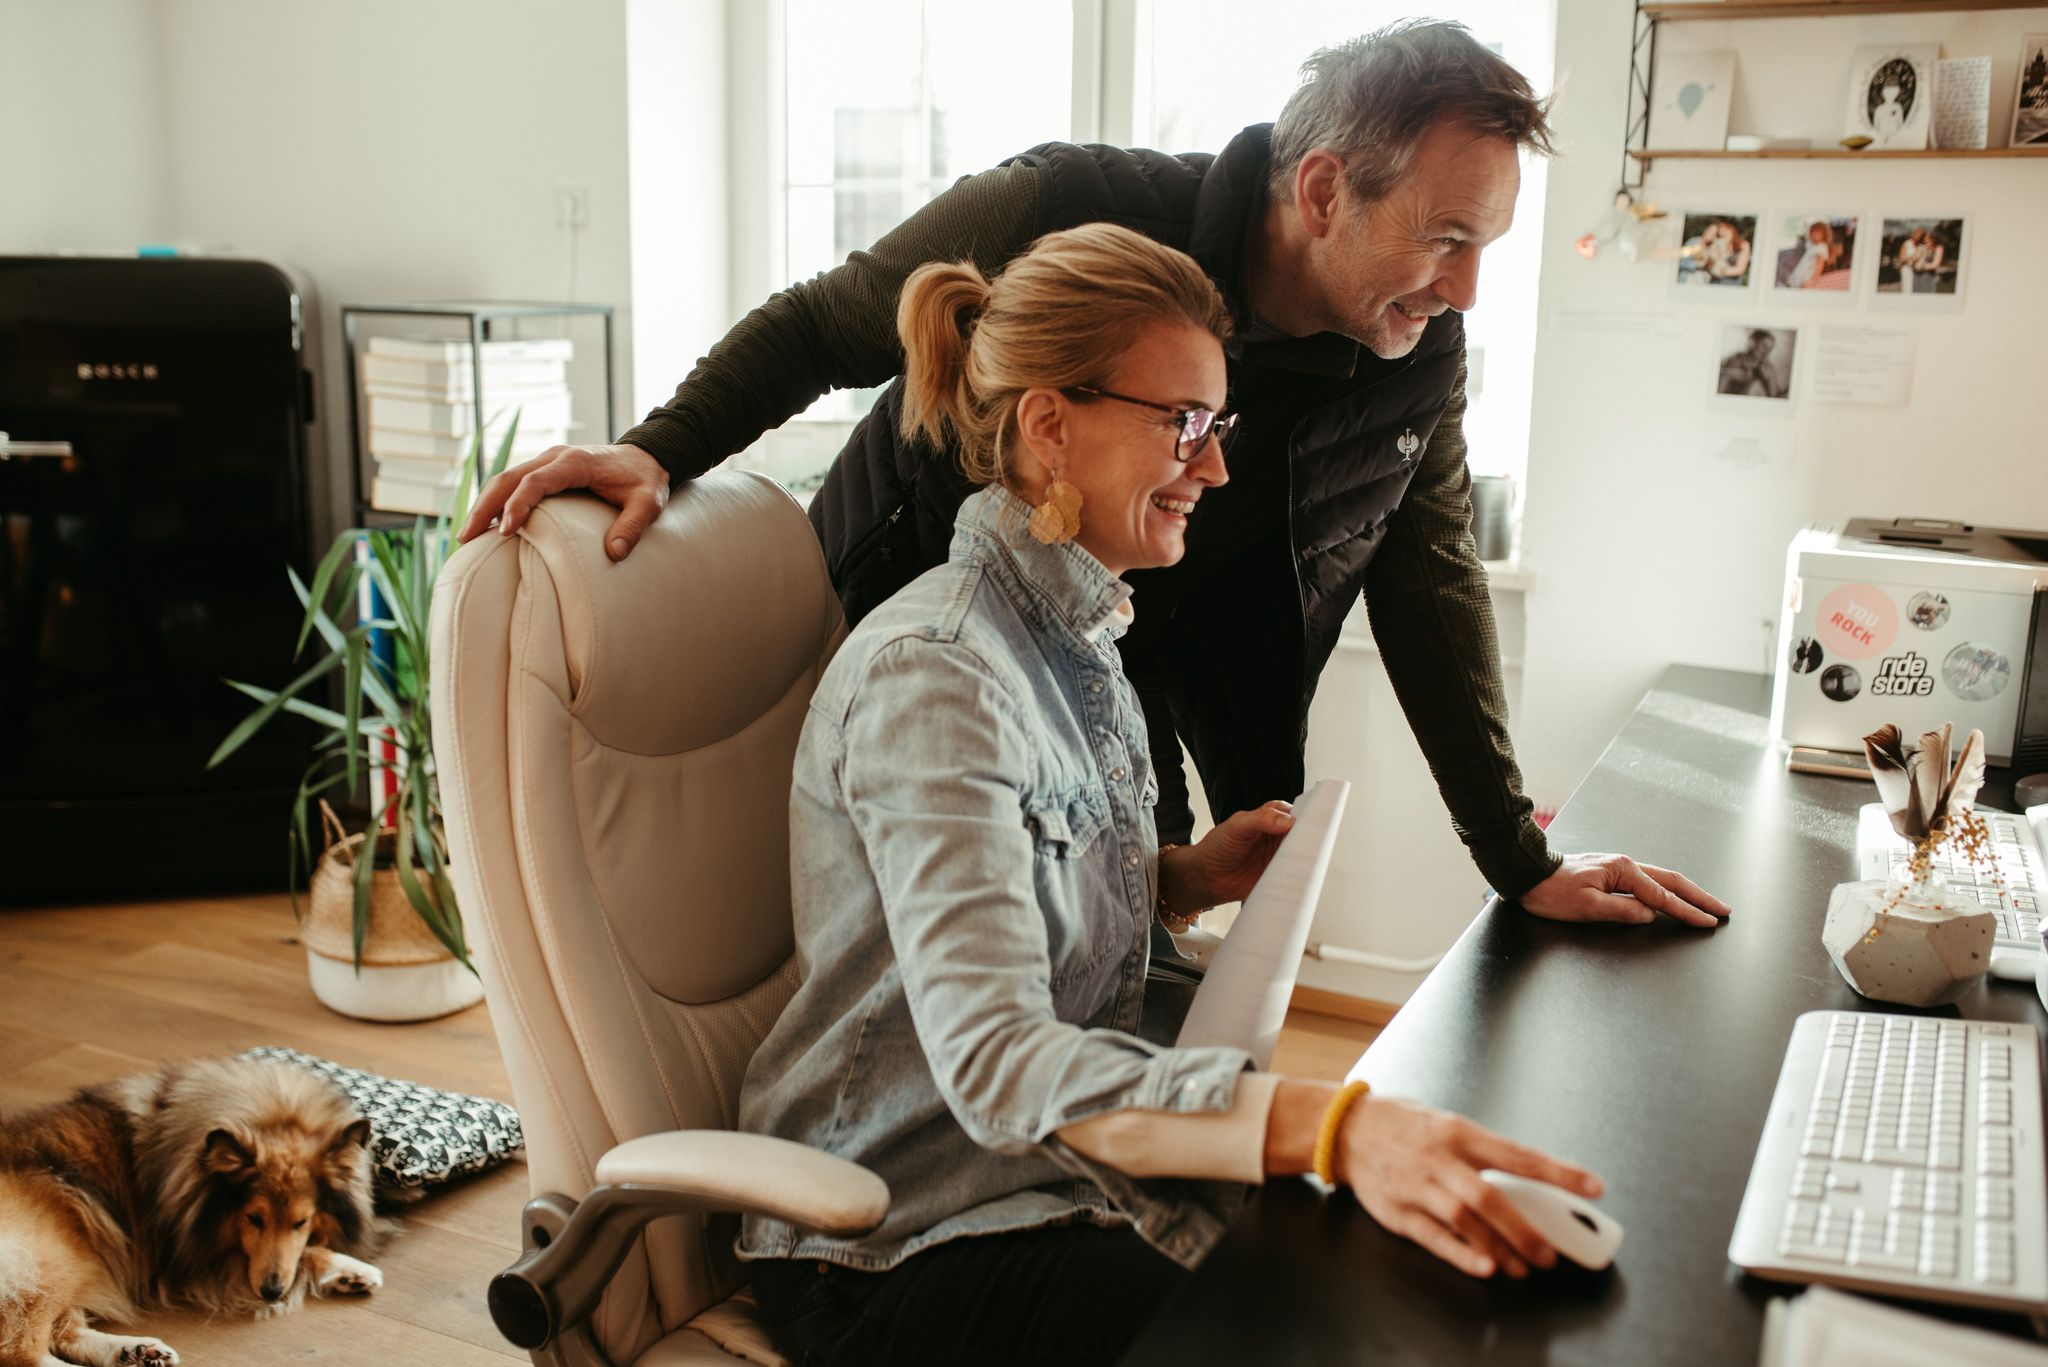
[(154, 479)]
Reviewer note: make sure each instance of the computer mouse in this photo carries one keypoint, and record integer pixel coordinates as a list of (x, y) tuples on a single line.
[(1572, 1224), (2030, 791)]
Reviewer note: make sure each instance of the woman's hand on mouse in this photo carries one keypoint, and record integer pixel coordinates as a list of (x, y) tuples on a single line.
[(1416, 1170)]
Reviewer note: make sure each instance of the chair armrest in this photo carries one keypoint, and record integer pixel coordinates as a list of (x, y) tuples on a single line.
[(727, 1170), (574, 1247)]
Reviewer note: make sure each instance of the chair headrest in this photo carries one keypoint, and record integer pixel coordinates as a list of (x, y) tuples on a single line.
[(752, 571)]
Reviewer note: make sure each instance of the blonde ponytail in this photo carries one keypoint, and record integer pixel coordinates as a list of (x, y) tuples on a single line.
[(936, 318)]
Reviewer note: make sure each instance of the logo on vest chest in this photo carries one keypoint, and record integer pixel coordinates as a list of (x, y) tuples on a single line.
[(1408, 444)]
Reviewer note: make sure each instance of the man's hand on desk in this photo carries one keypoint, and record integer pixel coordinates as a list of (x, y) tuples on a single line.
[(1613, 887)]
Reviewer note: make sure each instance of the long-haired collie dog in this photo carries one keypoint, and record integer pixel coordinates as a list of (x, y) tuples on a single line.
[(224, 1185)]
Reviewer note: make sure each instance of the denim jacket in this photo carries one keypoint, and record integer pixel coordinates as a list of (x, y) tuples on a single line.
[(973, 870)]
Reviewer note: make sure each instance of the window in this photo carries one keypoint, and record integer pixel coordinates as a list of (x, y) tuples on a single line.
[(883, 105), (886, 104)]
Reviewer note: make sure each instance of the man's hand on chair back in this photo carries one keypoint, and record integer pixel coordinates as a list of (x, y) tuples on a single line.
[(624, 476)]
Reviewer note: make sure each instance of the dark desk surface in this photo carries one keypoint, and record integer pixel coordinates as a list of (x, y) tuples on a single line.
[(1646, 1053)]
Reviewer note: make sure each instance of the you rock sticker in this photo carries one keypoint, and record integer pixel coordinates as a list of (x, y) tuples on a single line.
[(1857, 621)]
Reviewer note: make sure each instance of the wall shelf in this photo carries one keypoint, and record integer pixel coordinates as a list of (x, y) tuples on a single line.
[(1768, 9), (1642, 57), (1646, 156)]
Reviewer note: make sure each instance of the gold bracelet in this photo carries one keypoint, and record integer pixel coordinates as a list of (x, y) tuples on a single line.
[(1175, 923), (1326, 1133)]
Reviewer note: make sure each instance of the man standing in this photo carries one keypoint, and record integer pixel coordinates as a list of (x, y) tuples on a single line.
[(1346, 238)]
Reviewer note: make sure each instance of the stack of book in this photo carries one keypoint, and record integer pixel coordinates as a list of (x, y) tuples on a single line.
[(422, 411)]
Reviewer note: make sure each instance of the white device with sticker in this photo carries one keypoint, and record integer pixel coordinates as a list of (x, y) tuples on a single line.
[(1915, 623)]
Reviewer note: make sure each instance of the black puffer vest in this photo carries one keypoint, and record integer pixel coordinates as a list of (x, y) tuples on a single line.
[(1227, 645)]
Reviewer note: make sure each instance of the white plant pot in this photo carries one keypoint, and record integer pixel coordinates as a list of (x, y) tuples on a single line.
[(406, 973), (393, 992)]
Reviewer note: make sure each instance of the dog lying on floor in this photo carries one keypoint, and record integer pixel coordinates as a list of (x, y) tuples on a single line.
[(223, 1185)]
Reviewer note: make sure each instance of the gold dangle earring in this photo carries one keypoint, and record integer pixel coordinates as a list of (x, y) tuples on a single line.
[(1055, 521)]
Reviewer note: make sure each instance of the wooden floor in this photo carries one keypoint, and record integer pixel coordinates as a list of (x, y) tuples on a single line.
[(91, 993)]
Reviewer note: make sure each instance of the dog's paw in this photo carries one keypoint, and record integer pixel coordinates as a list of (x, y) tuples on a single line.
[(357, 1283), (348, 1277), (79, 1342)]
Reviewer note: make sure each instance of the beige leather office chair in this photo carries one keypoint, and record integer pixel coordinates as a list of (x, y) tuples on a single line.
[(615, 744)]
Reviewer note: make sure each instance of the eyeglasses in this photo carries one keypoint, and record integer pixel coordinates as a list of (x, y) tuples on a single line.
[(1196, 425)]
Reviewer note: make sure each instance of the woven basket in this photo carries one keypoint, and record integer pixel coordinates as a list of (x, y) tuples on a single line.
[(396, 935)]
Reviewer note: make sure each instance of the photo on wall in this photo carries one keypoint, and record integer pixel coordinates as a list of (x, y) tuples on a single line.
[(1920, 260), (1717, 250), (2030, 110), (1815, 254), (1891, 95), (1753, 366)]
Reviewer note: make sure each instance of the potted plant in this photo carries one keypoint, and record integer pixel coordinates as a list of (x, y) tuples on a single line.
[(383, 934)]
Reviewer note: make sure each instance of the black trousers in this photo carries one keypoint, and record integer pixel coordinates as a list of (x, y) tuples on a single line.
[(1070, 1295)]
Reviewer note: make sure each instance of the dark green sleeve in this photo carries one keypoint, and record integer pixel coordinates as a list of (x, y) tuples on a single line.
[(836, 331), (1433, 619)]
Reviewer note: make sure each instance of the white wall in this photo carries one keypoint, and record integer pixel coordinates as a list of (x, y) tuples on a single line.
[(398, 150), (390, 150), (1401, 885), (82, 139), (679, 69), (1646, 550)]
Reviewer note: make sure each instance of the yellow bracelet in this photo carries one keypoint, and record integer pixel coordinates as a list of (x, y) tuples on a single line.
[(1326, 1133)]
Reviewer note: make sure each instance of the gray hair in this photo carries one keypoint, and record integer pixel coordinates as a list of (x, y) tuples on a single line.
[(1372, 99)]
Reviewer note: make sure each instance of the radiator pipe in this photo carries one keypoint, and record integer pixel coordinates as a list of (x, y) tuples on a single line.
[(1339, 954)]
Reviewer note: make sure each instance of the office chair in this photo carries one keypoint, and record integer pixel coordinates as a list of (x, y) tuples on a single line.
[(615, 744)]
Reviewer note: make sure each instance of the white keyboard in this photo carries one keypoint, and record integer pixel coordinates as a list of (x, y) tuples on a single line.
[(2015, 896), (1903, 1156)]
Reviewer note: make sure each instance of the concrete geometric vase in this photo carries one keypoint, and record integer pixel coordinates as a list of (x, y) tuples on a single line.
[(1926, 948)]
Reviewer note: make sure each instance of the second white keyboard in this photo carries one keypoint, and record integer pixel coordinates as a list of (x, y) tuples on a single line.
[(2013, 894)]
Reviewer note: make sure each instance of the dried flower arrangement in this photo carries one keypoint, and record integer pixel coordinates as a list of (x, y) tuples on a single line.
[(1931, 803)]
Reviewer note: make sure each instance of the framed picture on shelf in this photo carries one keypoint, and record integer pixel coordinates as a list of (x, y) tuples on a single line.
[(1962, 104), (1813, 257), (2030, 108), (1891, 95), (1920, 261), (1716, 251), (1694, 90)]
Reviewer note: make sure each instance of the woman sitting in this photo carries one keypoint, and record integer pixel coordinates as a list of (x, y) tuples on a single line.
[(975, 873)]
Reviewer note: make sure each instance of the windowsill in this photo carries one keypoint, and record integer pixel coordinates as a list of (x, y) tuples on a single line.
[(1508, 576)]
